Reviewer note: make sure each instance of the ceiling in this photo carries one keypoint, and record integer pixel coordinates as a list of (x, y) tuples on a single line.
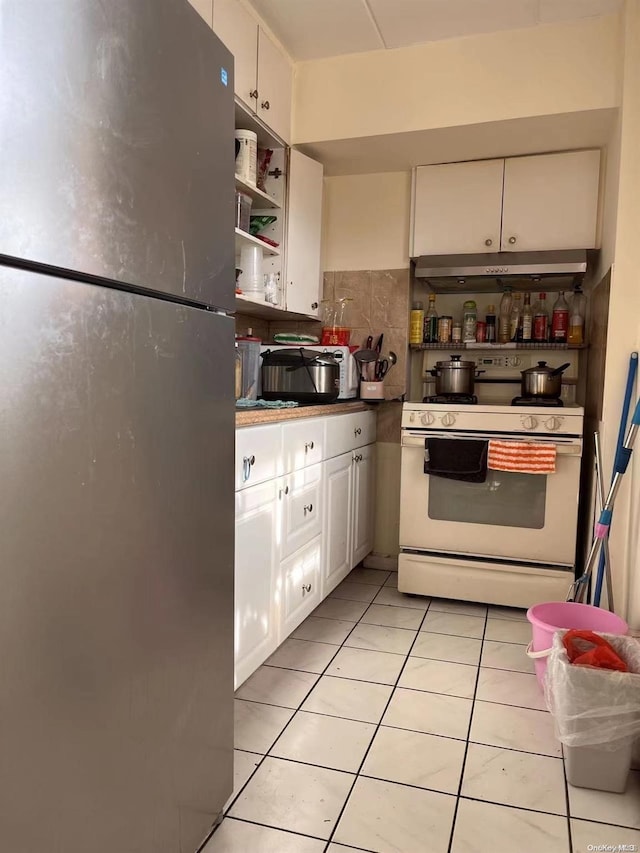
[(314, 29)]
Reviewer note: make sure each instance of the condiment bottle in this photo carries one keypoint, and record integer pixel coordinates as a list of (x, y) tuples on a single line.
[(527, 319), (430, 335), (516, 316), (469, 321), (416, 327), (576, 318), (504, 325), (490, 334), (560, 321), (541, 319)]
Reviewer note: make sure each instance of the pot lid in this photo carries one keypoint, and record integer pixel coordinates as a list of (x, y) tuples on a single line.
[(455, 362), (541, 369)]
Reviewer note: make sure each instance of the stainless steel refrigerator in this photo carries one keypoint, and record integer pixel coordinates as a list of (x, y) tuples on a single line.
[(116, 426)]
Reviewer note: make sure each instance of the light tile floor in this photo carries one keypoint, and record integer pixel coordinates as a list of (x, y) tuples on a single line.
[(394, 724)]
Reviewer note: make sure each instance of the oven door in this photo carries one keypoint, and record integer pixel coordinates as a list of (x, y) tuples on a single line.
[(528, 517)]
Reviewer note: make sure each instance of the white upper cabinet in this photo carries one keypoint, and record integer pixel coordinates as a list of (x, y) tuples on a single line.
[(457, 208), (238, 30), (204, 9), (263, 74), (304, 227), (274, 87), (551, 201), (546, 201)]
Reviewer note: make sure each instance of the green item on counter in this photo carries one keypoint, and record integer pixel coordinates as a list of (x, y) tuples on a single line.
[(258, 223), (291, 338), (245, 403)]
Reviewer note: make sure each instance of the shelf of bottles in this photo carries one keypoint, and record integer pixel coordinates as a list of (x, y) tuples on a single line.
[(529, 345)]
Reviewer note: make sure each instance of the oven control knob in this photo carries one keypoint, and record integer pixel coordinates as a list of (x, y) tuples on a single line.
[(427, 418), (448, 419), (553, 424), (412, 417), (529, 422)]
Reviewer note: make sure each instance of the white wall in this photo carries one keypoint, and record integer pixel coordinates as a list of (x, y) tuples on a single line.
[(547, 70), (366, 221)]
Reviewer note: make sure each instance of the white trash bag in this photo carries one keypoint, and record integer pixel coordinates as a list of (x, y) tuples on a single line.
[(590, 706)]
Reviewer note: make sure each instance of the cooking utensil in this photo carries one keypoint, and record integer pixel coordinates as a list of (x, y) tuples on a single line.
[(303, 375), (455, 376), (379, 344), (393, 358), (382, 368), (542, 380), (369, 342)]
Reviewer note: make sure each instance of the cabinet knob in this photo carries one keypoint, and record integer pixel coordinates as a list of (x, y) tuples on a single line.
[(512, 240), (247, 462), (254, 94), (306, 587), (308, 508), (308, 446), (314, 305), (284, 491), (357, 457), (265, 104), (488, 242), (357, 431)]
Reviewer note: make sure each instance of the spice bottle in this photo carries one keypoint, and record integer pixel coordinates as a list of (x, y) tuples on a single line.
[(416, 327)]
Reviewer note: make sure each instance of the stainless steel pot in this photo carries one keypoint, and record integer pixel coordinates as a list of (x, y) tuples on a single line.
[(542, 380), (301, 375), (455, 376)]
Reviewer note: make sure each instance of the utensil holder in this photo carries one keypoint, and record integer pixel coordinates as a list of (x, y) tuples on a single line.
[(371, 390)]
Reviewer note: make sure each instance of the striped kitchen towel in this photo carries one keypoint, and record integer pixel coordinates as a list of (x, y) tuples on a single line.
[(523, 457)]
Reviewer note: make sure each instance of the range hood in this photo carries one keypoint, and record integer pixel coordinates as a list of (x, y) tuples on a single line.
[(489, 273)]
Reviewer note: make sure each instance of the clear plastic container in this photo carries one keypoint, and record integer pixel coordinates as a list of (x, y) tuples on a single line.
[(249, 347), (251, 280), (243, 211)]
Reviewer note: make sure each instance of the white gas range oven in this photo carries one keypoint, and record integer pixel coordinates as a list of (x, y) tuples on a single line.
[(508, 540)]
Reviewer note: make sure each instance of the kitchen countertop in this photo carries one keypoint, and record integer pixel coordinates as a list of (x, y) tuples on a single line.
[(251, 417)]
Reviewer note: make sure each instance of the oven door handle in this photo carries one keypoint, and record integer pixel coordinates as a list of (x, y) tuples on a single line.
[(564, 446)]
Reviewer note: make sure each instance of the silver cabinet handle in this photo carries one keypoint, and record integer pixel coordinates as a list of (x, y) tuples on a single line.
[(265, 105), (357, 431), (512, 240), (308, 508), (358, 457), (308, 446), (247, 463), (306, 587), (488, 242), (314, 305), (254, 94), (284, 491)]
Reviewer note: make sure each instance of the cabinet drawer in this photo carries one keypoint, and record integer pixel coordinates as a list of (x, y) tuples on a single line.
[(303, 443), (301, 585), (345, 432), (258, 455), (301, 496)]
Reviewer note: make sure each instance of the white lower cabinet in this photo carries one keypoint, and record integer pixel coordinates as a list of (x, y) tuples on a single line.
[(301, 576), (299, 533), (338, 501), (363, 502), (256, 577)]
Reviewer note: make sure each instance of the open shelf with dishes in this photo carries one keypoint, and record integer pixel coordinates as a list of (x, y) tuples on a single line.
[(265, 311), (244, 237), (261, 199)]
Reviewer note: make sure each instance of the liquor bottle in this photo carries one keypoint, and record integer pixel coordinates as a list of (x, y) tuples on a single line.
[(490, 333), (527, 319), (516, 316), (560, 321), (541, 319)]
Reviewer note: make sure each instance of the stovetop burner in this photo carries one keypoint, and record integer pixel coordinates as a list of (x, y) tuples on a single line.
[(550, 402), (458, 399)]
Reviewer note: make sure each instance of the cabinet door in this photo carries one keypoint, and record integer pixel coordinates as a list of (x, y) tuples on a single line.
[(303, 443), (258, 454), (346, 432), (237, 29), (457, 208), (338, 493), (301, 585), (204, 9), (363, 502), (304, 227), (551, 201), (256, 562), (301, 497), (275, 76)]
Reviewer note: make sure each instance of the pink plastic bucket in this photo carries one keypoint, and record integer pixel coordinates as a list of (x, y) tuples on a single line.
[(550, 617)]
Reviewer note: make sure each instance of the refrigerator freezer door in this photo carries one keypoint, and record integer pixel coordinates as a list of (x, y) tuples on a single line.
[(116, 560), (116, 133)]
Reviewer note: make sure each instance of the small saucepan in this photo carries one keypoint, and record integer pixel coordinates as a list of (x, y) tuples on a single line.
[(542, 380)]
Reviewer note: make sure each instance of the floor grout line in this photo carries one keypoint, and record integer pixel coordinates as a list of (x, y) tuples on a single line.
[(375, 734), (466, 749)]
